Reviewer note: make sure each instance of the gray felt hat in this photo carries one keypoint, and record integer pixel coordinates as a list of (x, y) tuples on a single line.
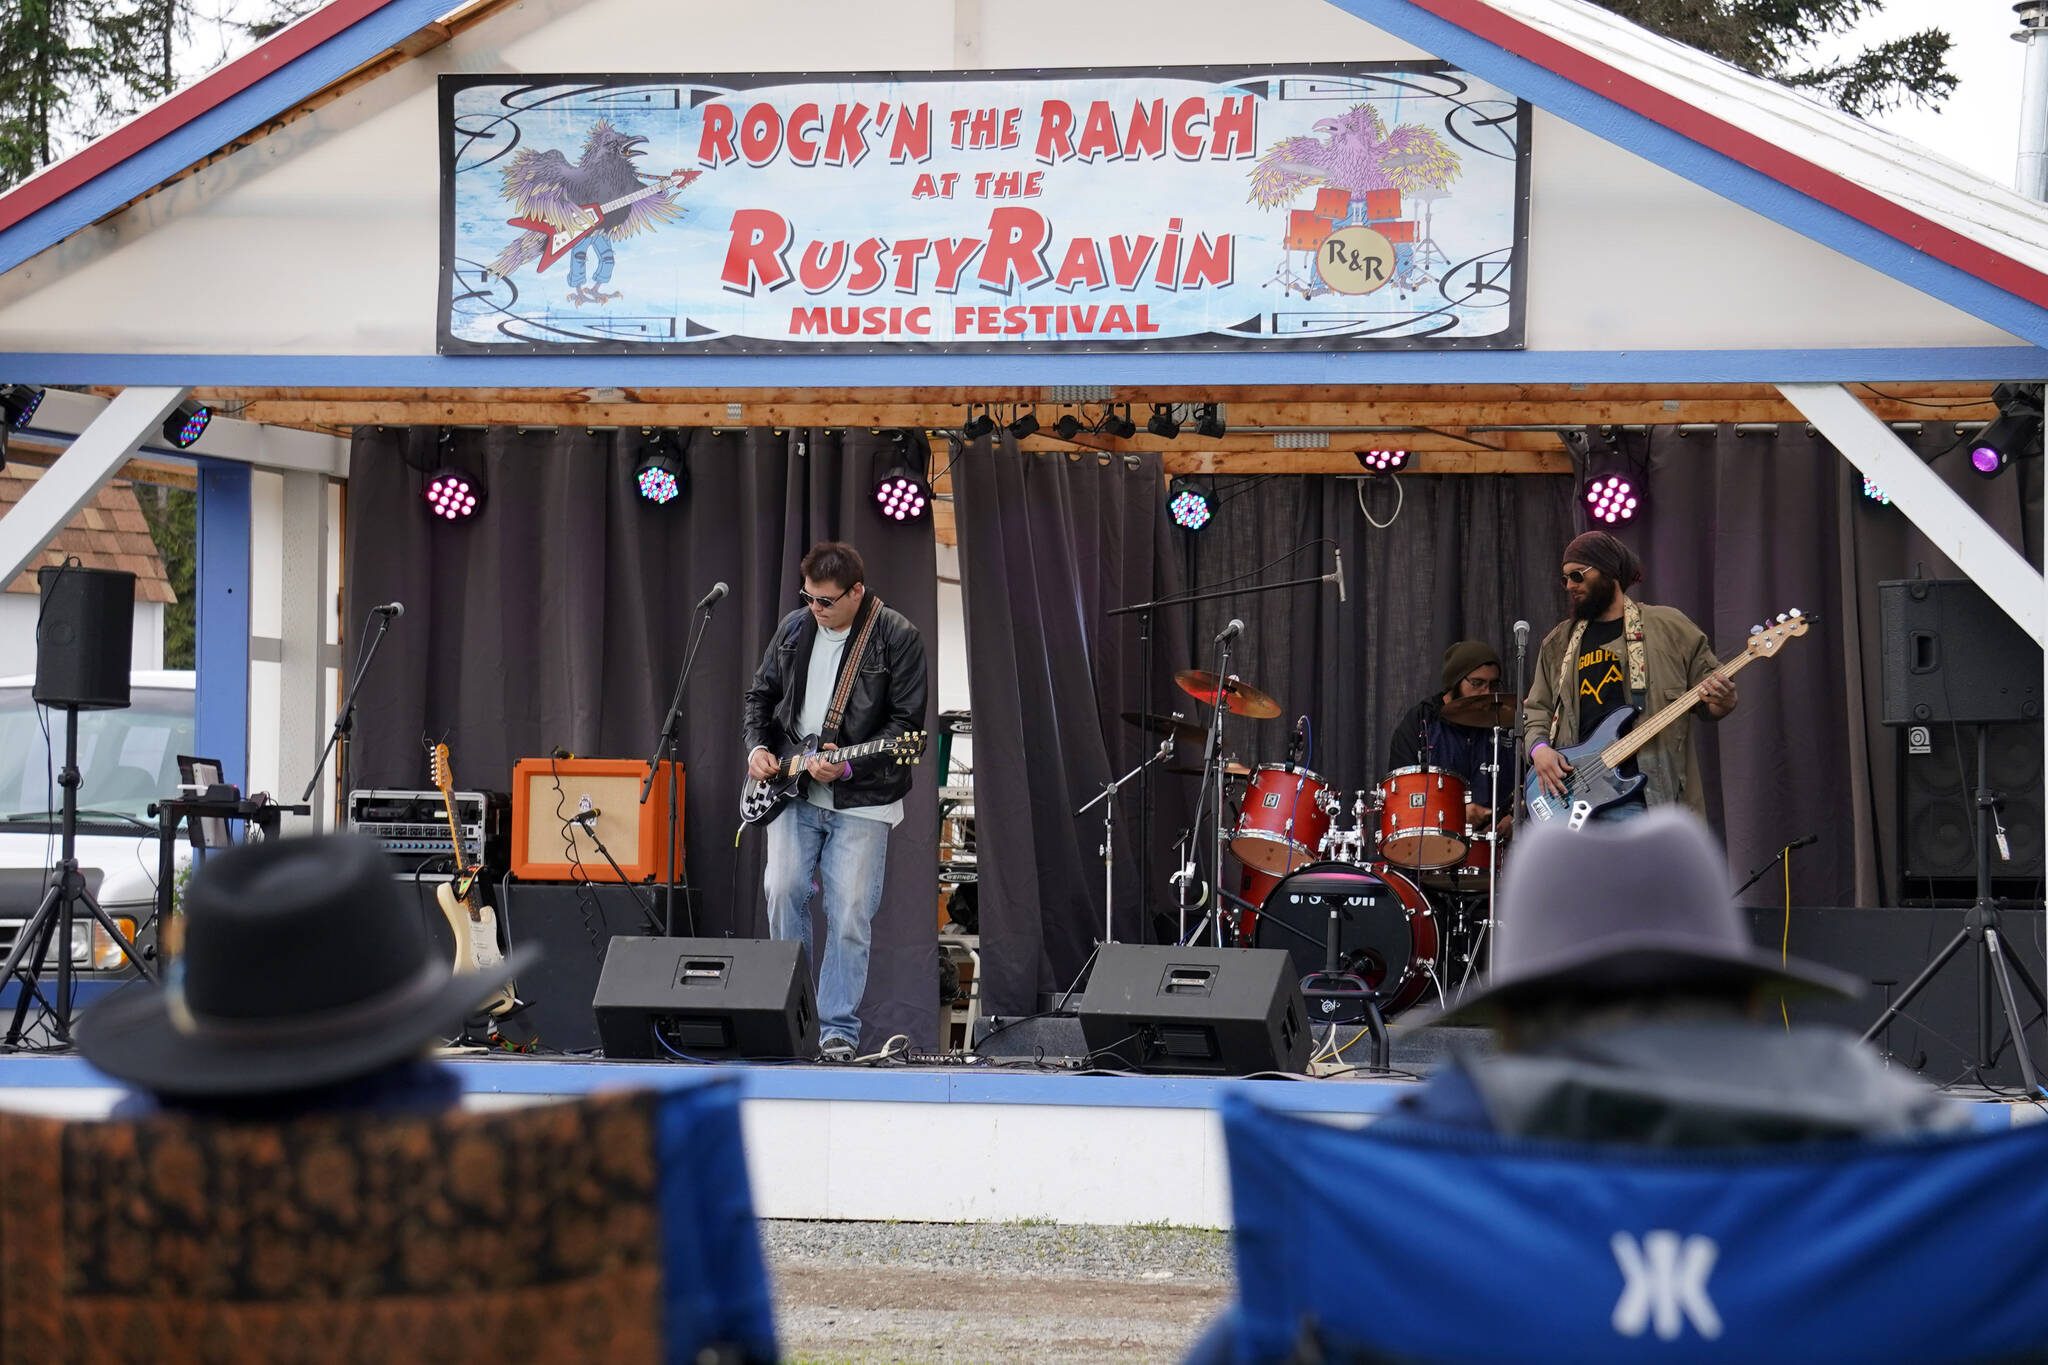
[(1641, 907)]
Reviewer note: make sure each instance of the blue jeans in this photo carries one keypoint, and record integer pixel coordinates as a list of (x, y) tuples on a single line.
[(602, 245), (847, 853)]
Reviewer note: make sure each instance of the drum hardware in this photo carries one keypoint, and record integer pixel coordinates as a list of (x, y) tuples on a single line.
[(1106, 798)]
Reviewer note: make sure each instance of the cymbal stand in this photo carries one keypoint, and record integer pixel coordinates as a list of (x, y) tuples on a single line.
[(1213, 768), (1106, 798), (1492, 836)]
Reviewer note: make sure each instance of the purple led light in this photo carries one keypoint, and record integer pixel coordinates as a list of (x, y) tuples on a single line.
[(1985, 459), (1611, 499)]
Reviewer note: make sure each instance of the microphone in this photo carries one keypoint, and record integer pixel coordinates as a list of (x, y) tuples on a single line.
[(391, 609), (718, 590), (1340, 572), (1231, 631), (584, 817), (1802, 843), (1297, 746), (1521, 635)]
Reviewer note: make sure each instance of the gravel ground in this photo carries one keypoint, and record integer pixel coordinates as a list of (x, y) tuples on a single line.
[(991, 1293)]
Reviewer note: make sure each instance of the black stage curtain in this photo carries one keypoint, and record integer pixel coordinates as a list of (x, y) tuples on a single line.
[(1049, 543), (1455, 557), (1738, 526), (560, 615)]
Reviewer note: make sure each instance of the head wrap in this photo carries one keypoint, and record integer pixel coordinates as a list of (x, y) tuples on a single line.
[(1465, 658), (1598, 550)]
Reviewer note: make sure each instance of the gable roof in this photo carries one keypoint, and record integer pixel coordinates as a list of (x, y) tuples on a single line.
[(1873, 196), (109, 532)]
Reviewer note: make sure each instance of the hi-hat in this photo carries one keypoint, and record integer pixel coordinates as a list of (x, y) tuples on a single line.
[(1189, 740), (1483, 712), (1232, 694)]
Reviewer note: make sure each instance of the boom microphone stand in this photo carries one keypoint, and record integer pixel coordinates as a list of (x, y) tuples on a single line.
[(344, 722), (671, 739), (1107, 799), (1982, 927)]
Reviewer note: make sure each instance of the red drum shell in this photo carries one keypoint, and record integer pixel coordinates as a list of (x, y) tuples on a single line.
[(1422, 818), (1280, 823)]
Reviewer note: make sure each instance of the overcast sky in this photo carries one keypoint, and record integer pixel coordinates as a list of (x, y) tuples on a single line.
[(1979, 125)]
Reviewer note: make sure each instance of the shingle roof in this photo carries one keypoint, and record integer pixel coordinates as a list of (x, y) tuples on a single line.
[(110, 532)]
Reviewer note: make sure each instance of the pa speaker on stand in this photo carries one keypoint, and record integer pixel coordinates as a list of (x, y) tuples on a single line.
[(84, 640), (1952, 657)]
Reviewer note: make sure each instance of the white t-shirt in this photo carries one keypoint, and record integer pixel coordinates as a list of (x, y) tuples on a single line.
[(818, 683)]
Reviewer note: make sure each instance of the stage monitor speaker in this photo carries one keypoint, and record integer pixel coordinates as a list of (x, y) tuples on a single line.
[(1951, 655), (1938, 807), (707, 998), (549, 845), (85, 636), (1195, 1011)]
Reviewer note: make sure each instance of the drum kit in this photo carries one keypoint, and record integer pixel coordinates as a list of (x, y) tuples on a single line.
[(1389, 892)]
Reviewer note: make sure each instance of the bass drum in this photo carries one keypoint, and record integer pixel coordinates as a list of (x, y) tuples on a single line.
[(1387, 932)]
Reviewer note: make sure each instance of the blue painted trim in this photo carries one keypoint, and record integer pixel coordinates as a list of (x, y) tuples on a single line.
[(291, 83), (1844, 365), (221, 647), (1709, 169)]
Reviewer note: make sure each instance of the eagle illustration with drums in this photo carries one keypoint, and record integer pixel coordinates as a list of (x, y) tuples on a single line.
[(1356, 235)]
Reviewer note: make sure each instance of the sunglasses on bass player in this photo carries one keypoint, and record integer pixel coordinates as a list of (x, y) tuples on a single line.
[(1573, 576), (810, 601)]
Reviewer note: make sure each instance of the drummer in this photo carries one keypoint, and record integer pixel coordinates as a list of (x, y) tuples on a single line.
[(1424, 738)]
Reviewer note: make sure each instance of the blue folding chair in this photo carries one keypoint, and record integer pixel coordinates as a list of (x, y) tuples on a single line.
[(613, 1228), (1396, 1243)]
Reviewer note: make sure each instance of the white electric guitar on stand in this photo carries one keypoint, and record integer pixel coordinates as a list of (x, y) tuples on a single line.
[(473, 923)]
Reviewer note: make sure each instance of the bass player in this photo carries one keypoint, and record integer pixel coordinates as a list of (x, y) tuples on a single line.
[(847, 669), (1615, 651)]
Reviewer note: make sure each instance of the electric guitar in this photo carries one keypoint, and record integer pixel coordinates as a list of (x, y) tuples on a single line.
[(586, 217), (473, 923), (1594, 782), (762, 799)]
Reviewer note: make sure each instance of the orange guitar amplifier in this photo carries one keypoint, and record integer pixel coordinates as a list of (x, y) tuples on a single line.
[(549, 844)]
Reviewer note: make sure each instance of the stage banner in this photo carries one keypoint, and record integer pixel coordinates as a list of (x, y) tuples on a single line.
[(1363, 207)]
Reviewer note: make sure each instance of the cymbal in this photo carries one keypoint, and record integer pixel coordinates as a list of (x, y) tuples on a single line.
[(1483, 712), (1232, 694), (1189, 739), (1184, 732)]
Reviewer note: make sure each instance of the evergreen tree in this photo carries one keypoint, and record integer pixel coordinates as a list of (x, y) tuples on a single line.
[(173, 517), (1774, 38), (71, 69)]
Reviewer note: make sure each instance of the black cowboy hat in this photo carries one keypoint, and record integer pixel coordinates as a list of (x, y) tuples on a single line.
[(303, 966), (1636, 908)]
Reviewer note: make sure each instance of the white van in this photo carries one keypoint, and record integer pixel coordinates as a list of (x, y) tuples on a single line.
[(126, 759)]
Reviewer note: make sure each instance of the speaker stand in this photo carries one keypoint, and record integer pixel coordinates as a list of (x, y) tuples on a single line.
[(54, 917), (1994, 966)]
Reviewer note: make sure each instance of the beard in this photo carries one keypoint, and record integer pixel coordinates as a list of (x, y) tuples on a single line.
[(1599, 597)]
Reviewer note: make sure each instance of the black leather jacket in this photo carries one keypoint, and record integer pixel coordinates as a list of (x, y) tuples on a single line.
[(887, 699)]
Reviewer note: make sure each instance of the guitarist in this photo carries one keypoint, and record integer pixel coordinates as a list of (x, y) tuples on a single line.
[(839, 832), (1614, 652)]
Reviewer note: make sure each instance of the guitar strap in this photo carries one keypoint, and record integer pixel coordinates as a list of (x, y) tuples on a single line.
[(1638, 662), (849, 669)]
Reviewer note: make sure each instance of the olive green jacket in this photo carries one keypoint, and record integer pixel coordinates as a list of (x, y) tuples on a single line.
[(1676, 658)]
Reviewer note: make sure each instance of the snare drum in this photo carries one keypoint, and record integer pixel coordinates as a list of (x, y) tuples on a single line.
[(1422, 818), (1281, 820), (1472, 872), (1386, 931)]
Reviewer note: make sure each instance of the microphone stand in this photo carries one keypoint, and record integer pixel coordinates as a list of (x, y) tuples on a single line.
[(671, 740), (1108, 795), (344, 723), (589, 828), (1776, 858), (1143, 611)]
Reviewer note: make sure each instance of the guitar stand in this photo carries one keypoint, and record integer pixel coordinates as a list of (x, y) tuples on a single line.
[(1994, 965)]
